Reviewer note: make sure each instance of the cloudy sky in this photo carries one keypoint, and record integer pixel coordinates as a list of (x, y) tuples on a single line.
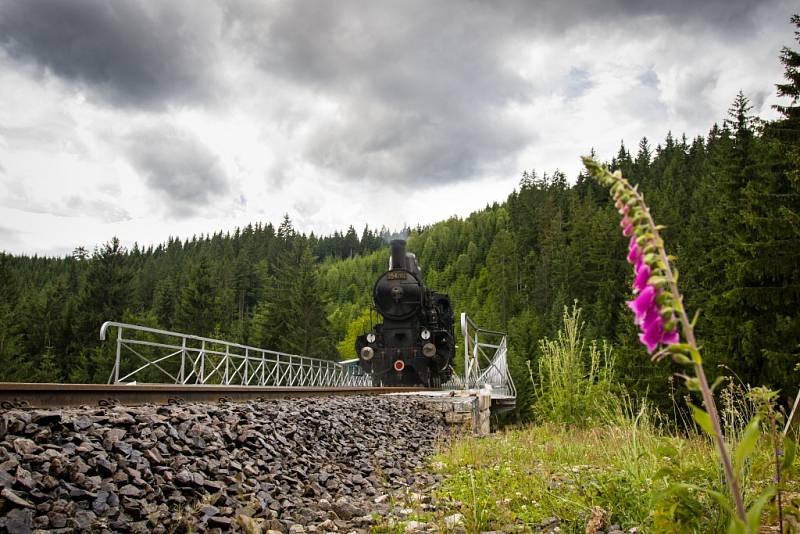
[(146, 119)]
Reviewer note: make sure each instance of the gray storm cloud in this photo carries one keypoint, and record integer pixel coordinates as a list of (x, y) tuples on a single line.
[(184, 173), (421, 89), (129, 54), (421, 99)]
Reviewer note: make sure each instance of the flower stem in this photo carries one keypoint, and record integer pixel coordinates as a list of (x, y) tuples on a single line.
[(708, 397)]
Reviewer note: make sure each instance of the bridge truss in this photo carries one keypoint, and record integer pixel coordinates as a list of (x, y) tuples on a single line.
[(153, 356), (150, 355)]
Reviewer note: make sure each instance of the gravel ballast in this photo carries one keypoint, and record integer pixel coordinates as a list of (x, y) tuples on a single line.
[(308, 464)]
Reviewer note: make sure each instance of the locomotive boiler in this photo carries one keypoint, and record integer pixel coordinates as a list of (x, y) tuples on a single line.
[(415, 344)]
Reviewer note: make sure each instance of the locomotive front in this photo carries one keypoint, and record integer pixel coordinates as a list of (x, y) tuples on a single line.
[(415, 343)]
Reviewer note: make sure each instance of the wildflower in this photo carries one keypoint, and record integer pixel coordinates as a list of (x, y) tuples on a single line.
[(634, 253), (671, 338), (643, 273), (627, 226), (652, 308), (648, 313), (652, 330), (642, 304)]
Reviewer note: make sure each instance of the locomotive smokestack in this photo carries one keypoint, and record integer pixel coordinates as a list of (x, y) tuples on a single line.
[(398, 257)]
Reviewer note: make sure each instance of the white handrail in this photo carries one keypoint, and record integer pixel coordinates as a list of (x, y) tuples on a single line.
[(495, 372), (201, 364)]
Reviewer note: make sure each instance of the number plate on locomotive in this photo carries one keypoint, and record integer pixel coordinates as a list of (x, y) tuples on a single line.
[(396, 275)]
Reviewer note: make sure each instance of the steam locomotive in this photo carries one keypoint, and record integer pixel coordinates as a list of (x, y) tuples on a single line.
[(415, 345)]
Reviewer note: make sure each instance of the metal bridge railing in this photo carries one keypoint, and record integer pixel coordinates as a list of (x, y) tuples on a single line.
[(146, 354), (486, 360)]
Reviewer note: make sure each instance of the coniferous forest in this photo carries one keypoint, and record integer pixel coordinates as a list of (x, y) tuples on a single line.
[(730, 201)]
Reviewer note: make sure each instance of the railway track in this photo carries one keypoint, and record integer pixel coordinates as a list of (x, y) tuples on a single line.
[(21, 395)]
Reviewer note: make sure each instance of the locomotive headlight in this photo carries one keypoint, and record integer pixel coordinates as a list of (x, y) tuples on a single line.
[(429, 350), (425, 334), (370, 338), (367, 353)]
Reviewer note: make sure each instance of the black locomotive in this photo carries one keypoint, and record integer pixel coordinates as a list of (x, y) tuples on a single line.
[(415, 345)]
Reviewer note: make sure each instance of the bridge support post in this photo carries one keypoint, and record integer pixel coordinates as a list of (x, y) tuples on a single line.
[(226, 379), (182, 374), (246, 373), (480, 413), (203, 362), (119, 352)]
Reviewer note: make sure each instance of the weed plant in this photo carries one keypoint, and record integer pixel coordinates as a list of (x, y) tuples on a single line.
[(574, 380)]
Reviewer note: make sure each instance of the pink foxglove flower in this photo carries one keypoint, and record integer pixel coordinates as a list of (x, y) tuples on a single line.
[(642, 304), (642, 276), (634, 253), (627, 230), (670, 338), (650, 339)]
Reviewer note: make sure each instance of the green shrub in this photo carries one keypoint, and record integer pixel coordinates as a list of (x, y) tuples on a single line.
[(574, 384)]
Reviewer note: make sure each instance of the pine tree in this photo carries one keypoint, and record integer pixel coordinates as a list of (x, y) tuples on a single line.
[(292, 317), (164, 297), (286, 231), (763, 275), (196, 313), (351, 244), (308, 332), (105, 292), (788, 129), (9, 329), (501, 262)]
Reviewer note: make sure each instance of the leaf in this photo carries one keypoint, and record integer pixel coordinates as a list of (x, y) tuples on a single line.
[(680, 358), (789, 451), (748, 442), (722, 500), (754, 513), (719, 380), (664, 472), (703, 420), (680, 347), (692, 383), (736, 526), (696, 317)]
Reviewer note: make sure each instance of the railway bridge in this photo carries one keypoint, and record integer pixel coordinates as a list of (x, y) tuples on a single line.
[(153, 365)]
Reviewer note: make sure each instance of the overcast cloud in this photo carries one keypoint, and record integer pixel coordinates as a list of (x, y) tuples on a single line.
[(150, 119), (175, 165)]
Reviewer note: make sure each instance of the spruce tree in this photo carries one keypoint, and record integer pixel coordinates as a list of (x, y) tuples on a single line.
[(164, 297), (308, 332), (788, 129), (501, 262), (105, 292), (196, 312)]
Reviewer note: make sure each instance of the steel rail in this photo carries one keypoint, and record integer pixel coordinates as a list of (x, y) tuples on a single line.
[(43, 395)]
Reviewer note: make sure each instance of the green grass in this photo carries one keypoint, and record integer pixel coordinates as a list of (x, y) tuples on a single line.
[(593, 448), (525, 475)]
